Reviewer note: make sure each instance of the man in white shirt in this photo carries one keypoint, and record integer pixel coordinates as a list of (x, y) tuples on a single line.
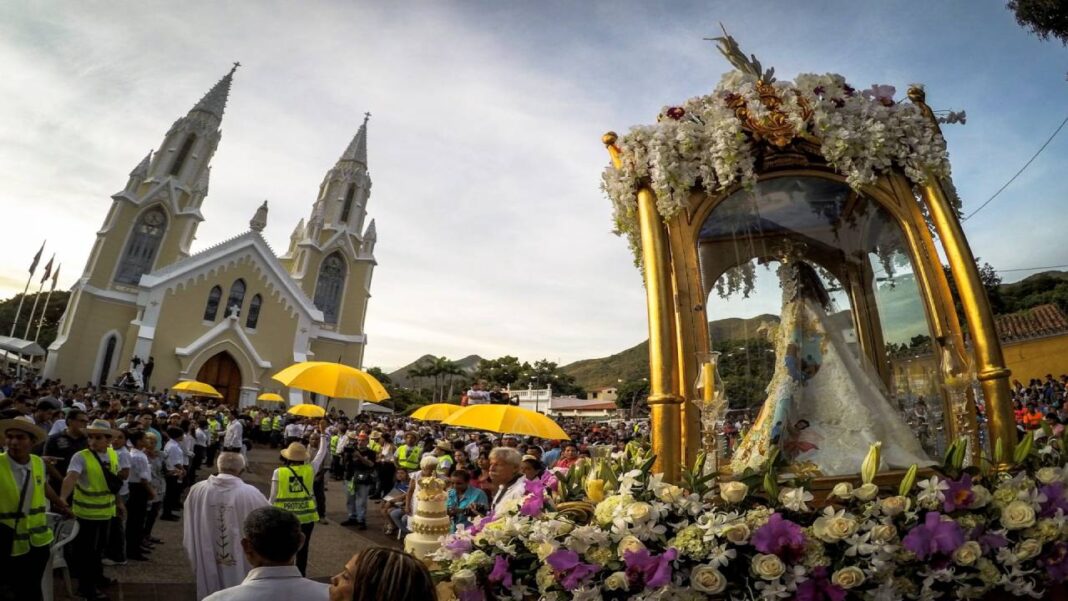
[(294, 432), (272, 537), (215, 510), (505, 475), (234, 439), (478, 396), (174, 462)]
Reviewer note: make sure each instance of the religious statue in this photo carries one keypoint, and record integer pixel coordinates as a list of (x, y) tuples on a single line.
[(825, 406)]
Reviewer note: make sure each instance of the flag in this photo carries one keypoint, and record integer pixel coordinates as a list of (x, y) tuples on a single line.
[(55, 276), (48, 270), (36, 259)]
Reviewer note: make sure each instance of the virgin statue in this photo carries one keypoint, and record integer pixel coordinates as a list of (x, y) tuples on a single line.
[(824, 406)]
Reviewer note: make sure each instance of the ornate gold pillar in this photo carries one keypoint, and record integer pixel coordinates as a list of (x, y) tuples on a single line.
[(664, 404), (989, 362)]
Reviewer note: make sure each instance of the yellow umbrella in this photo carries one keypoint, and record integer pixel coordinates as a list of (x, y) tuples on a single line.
[(435, 412), (307, 410), (333, 380), (506, 419), (196, 389), (271, 397)]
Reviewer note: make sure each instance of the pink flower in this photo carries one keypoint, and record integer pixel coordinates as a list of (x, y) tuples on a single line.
[(569, 570), (934, 536), (780, 537), (651, 570), (501, 574)]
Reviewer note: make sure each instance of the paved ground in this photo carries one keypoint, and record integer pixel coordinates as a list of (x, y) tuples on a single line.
[(168, 576)]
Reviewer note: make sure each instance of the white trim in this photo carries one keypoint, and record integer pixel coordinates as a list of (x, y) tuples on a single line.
[(115, 295), (322, 334), (228, 323)]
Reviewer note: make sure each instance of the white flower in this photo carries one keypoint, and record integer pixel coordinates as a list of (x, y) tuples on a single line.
[(464, 580), (848, 577), (737, 534), (894, 506), (733, 492), (932, 490), (629, 543), (981, 497), (1017, 515), (584, 593), (1028, 549), (834, 526), (669, 493), (617, 582), (968, 553), (795, 499), (842, 490), (866, 492), (707, 579), (1048, 475), (767, 566)]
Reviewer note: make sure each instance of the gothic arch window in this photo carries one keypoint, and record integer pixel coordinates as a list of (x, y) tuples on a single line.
[(346, 208), (330, 286), (237, 296), (253, 312), (179, 159), (142, 246), (109, 355), (211, 310)]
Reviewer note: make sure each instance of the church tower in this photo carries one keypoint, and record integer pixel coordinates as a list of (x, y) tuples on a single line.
[(153, 220), (331, 255), (151, 223)]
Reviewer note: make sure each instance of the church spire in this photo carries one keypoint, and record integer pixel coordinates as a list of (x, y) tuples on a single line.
[(214, 102), (357, 150)]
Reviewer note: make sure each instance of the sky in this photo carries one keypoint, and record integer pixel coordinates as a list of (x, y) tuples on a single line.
[(484, 142)]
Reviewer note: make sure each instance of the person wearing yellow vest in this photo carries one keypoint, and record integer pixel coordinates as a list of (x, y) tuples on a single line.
[(291, 488), (23, 490), (95, 503), (408, 454), (335, 451), (265, 429), (276, 430)]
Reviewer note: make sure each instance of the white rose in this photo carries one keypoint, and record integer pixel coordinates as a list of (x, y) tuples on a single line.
[(464, 580), (707, 579), (629, 543), (848, 578), (737, 534), (842, 490), (968, 553), (883, 533), (981, 497), (866, 492), (1028, 548), (617, 582), (733, 492), (894, 506), (639, 511), (768, 567), (544, 550), (670, 493), (1017, 515), (1047, 475)]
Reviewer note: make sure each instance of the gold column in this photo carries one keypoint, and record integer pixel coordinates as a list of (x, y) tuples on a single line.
[(664, 404), (989, 362)]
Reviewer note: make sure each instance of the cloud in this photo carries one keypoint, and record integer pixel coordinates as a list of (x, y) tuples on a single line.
[(484, 141)]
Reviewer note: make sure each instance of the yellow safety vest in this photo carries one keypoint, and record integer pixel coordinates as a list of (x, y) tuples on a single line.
[(375, 446), (277, 423), (294, 497), (265, 424), (95, 502), (32, 529), (333, 444), (408, 457)]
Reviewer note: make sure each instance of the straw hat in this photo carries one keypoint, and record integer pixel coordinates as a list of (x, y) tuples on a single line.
[(24, 424), (444, 445), (295, 452), (100, 426), (376, 435)]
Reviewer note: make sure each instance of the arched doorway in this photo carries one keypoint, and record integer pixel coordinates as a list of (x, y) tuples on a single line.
[(221, 371)]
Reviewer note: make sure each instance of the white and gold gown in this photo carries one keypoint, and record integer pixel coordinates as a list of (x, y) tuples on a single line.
[(824, 407)]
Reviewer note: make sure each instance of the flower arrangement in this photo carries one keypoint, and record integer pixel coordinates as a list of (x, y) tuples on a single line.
[(963, 533), (714, 141)]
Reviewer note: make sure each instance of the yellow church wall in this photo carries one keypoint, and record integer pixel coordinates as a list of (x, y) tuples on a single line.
[(330, 350), (95, 317), (121, 221)]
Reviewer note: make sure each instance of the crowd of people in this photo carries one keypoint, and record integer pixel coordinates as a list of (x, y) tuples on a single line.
[(1041, 400), (119, 461)]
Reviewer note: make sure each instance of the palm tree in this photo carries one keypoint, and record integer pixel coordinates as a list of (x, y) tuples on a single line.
[(442, 367)]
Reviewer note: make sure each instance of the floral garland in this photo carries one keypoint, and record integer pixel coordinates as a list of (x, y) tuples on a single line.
[(964, 534), (705, 144)]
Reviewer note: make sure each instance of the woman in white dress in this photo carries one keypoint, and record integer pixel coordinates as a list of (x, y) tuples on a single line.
[(824, 407)]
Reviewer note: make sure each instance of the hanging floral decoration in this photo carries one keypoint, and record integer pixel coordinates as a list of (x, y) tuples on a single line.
[(712, 142)]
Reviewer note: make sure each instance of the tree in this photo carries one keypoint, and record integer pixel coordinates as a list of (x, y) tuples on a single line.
[(991, 283), (632, 397), (547, 373), (1044, 18), (503, 371), (382, 377), (52, 314)]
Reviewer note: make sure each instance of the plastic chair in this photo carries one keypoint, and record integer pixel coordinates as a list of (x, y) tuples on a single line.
[(63, 531)]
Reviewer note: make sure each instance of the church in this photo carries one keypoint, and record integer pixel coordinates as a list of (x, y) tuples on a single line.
[(230, 315)]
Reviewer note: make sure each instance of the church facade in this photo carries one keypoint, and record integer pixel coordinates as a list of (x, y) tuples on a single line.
[(233, 314)]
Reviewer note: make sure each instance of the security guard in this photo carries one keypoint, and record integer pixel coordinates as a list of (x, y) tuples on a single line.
[(95, 503), (23, 489), (276, 430), (291, 489), (408, 454), (265, 428)]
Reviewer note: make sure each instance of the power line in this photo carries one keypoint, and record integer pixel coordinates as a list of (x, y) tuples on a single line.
[(1022, 169)]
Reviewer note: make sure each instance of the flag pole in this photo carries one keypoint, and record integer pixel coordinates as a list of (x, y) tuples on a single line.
[(36, 298), (33, 267), (48, 299)]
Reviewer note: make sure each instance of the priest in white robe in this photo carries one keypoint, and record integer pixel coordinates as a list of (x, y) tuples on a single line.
[(214, 512)]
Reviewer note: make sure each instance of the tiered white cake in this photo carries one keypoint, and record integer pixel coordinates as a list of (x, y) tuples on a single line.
[(430, 521)]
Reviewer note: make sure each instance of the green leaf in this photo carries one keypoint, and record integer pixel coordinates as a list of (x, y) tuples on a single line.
[(999, 451), (959, 453), (771, 485), (908, 481), (1023, 449)]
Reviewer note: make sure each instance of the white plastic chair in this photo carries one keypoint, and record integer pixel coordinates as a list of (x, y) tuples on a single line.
[(63, 531)]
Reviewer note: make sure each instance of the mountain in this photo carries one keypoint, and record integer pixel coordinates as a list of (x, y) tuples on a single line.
[(633, 363), (400, 377)]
